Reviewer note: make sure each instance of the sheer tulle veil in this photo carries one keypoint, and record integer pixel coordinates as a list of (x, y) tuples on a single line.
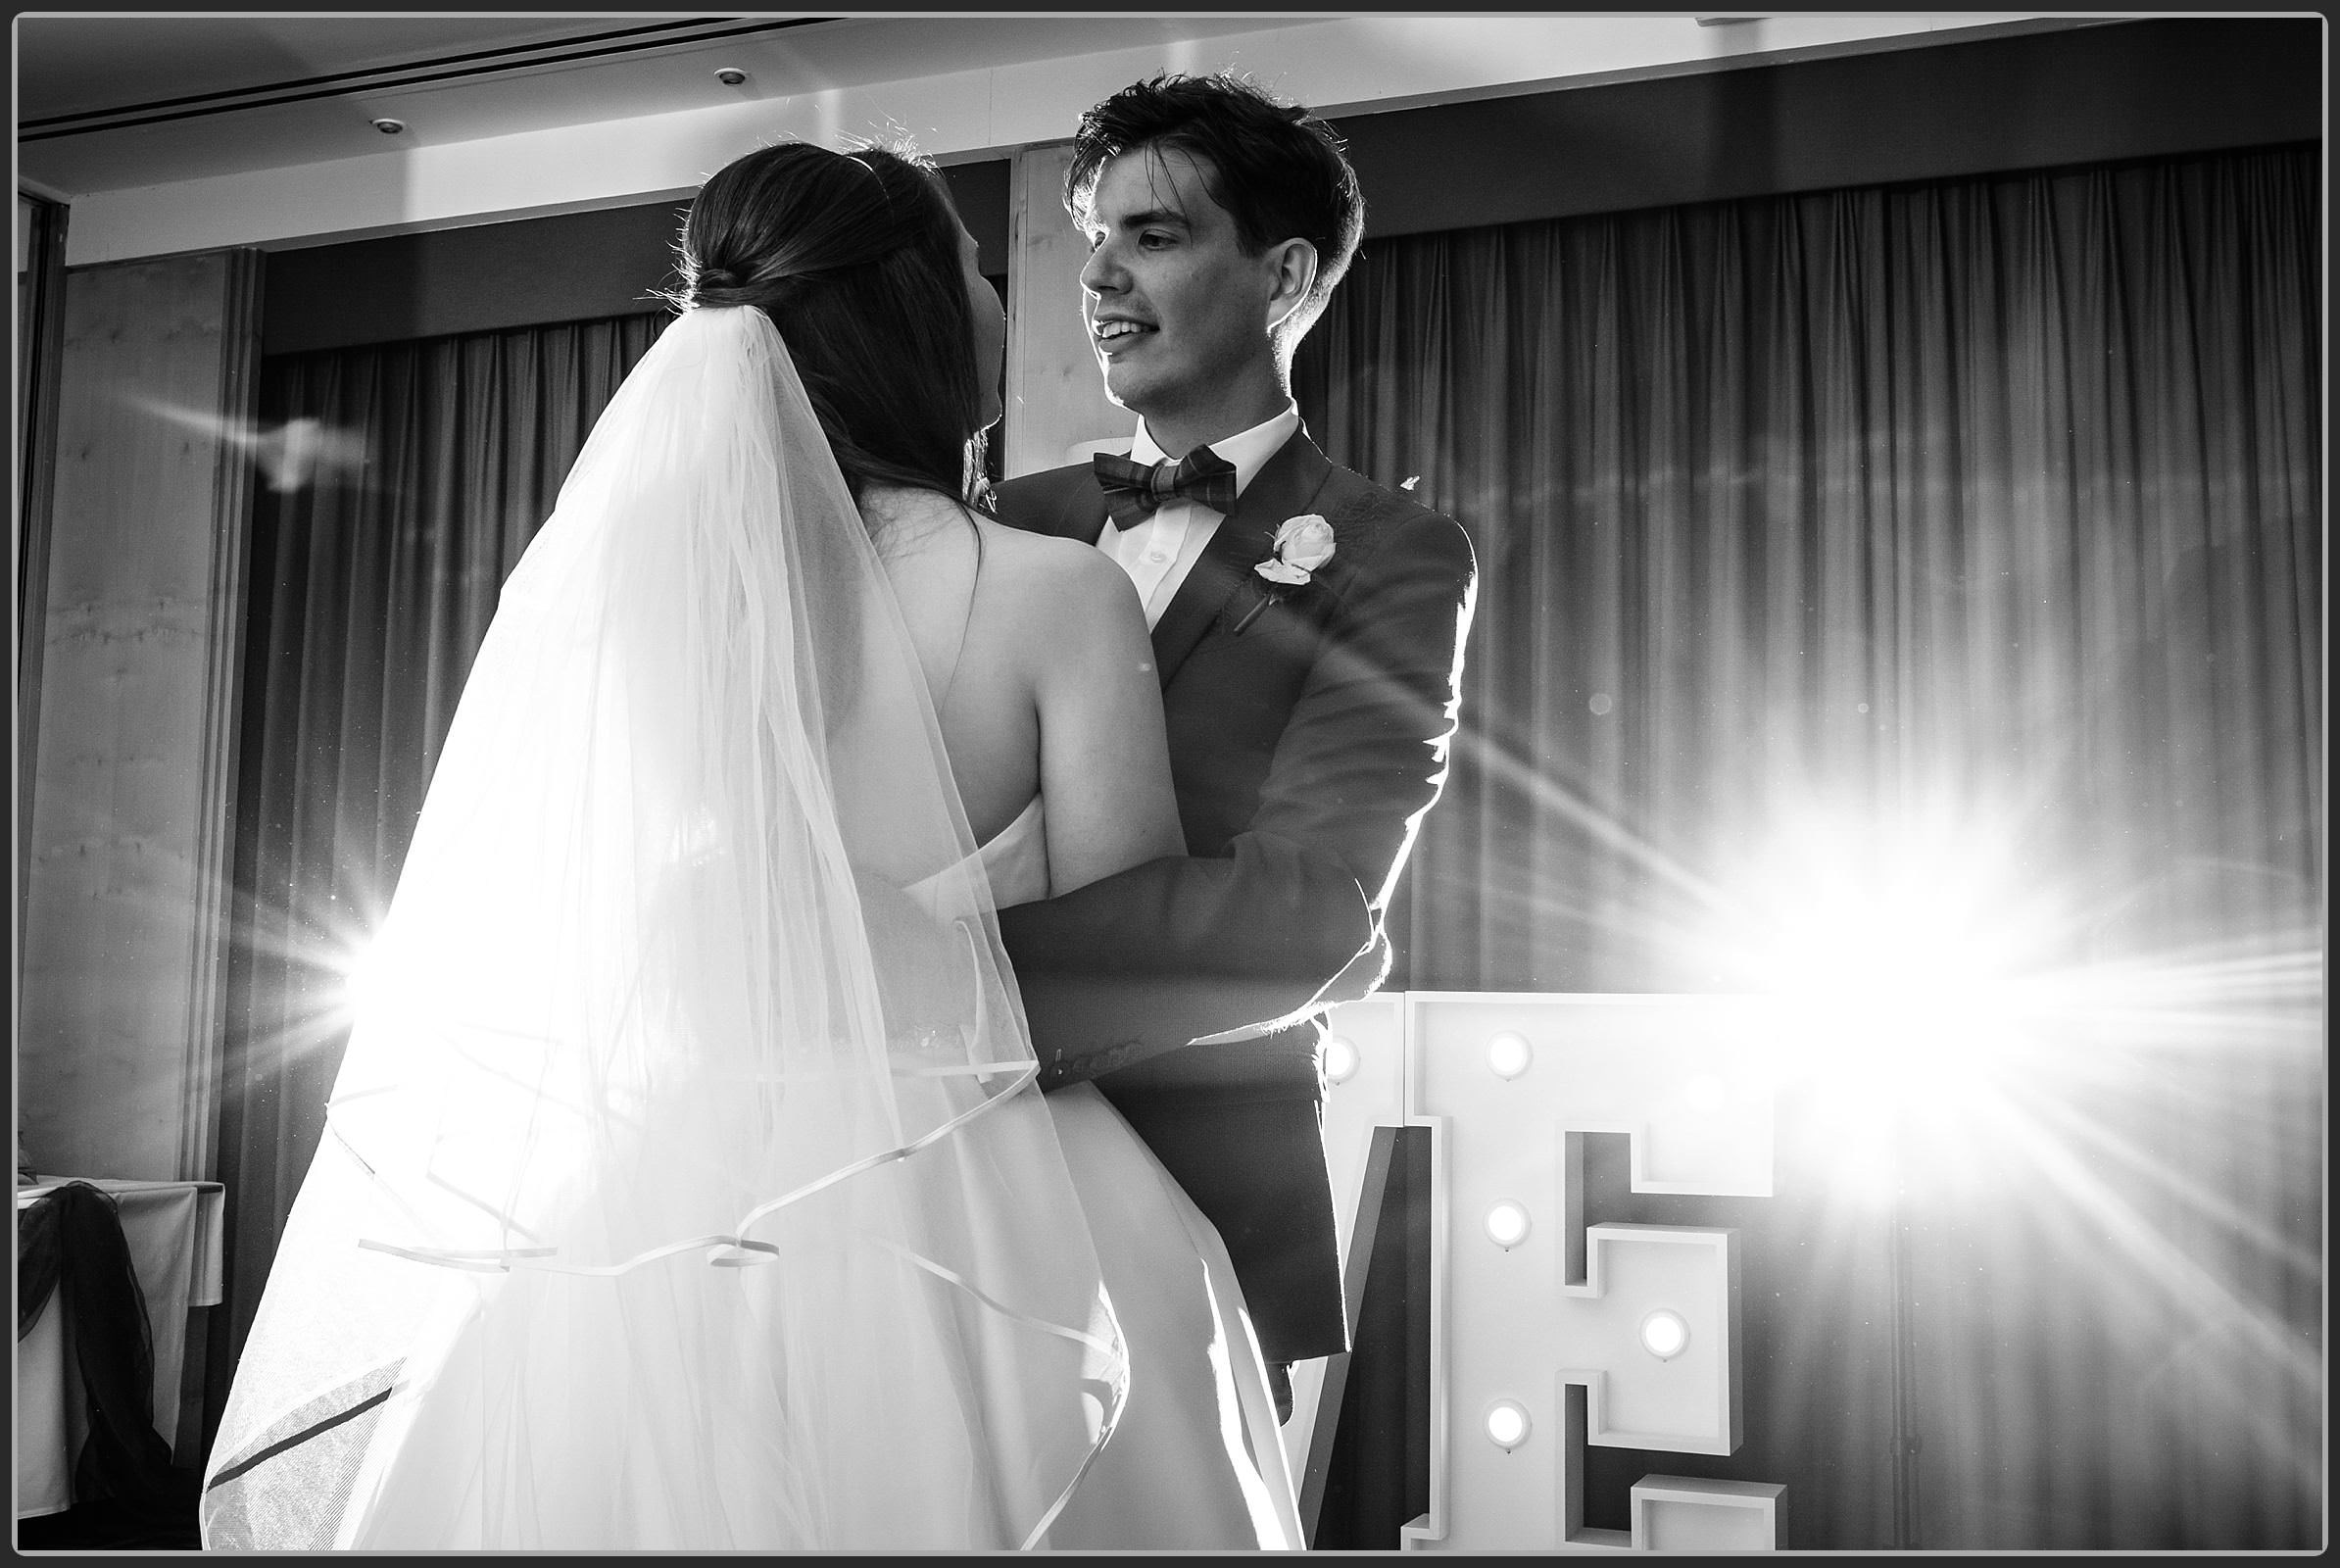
[(685, 1183)]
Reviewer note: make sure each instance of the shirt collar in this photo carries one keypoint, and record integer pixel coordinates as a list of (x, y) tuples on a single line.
[(1248, 449)]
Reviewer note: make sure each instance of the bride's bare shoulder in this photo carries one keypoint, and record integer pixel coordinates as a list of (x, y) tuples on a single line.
[(1041, 572), (1032, 590), (908, 522)]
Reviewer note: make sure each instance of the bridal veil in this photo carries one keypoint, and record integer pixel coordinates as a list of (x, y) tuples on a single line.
[(685, 1184)]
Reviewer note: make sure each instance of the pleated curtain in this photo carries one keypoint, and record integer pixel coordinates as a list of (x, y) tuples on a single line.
[(1981, 515), (1998, 492)]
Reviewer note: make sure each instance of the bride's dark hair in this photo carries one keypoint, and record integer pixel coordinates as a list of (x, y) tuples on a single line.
[(854, 257)]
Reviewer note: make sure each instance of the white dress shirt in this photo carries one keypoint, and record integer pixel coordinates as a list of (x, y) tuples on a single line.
[(1159, 552)]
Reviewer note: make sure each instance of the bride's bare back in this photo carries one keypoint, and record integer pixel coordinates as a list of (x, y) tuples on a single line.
[(1037, 653)]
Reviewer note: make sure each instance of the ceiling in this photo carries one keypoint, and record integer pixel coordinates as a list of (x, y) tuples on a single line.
[(120, 102)]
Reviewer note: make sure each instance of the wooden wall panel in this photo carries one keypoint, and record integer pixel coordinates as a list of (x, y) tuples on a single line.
[(126, 895), (1056, 398)]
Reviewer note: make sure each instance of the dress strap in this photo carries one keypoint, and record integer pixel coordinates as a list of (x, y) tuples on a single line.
[(966, 614)]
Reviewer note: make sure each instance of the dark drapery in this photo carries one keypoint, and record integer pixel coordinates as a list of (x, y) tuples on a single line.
[(1988, 511), (2002, 491), (373, 585)]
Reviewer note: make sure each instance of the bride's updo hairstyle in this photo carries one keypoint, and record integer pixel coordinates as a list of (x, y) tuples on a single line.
[(854, 257)]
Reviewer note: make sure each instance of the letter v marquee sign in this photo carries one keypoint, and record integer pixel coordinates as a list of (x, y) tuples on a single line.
[(1549, 1334)]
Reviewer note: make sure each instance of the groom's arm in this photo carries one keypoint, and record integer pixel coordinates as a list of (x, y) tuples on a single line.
[(1178, 948)]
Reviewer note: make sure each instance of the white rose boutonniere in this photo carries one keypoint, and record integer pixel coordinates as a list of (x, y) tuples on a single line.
[(1304, 544)]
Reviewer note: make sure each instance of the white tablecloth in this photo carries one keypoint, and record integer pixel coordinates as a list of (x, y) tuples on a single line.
[(175, 1235)]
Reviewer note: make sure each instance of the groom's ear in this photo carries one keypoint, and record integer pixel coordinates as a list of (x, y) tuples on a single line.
[(1294, 274)]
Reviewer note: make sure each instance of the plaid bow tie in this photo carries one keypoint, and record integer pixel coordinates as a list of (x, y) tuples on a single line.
[(1134, 490)]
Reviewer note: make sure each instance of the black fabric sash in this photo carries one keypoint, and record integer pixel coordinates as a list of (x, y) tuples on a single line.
[(70, 1244)]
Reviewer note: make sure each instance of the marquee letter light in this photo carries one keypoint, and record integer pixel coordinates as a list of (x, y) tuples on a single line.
[(1549, 1334)]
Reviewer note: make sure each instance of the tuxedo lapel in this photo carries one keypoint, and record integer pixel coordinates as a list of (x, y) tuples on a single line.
[(1285, 488), (1082, 514)]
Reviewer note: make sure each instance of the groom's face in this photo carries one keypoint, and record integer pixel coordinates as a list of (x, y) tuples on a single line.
[(1178, 315)]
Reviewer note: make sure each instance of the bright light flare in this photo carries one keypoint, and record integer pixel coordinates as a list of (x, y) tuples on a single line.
[(2126, 1137), (291, 456), (1922, 916), (375, 988), (1898, 955)]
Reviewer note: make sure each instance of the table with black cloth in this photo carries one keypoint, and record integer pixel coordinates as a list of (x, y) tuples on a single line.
[(79, 1354)]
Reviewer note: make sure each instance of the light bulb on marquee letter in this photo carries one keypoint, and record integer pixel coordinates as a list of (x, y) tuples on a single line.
[(1340, 1058), (1509, 1053), (1507, 1424), (1664, 1334), (1506, 1224)]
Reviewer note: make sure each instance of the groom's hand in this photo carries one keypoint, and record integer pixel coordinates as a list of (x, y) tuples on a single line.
[(1181, 949)]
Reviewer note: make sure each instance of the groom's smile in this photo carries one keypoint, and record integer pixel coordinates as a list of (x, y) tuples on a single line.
[(1111, 331), (1178, 313)]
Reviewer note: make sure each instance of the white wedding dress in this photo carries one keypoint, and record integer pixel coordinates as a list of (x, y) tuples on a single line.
[(1195, 1462), (686, 1183)]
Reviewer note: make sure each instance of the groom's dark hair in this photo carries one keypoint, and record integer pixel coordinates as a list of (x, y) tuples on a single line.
[(1277, 169)]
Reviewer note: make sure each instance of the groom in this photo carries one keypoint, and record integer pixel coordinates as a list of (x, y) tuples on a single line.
[(1307, 628)]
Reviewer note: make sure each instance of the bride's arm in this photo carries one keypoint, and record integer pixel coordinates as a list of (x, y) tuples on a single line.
[(1104, 761)]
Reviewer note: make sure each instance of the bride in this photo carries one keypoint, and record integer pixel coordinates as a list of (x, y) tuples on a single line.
[(686, 1183)]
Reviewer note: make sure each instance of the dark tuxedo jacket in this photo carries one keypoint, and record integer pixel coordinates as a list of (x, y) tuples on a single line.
[(1308, 734)]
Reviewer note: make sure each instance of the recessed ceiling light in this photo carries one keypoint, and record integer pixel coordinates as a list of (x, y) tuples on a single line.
[(388, 127), (730, 75)]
